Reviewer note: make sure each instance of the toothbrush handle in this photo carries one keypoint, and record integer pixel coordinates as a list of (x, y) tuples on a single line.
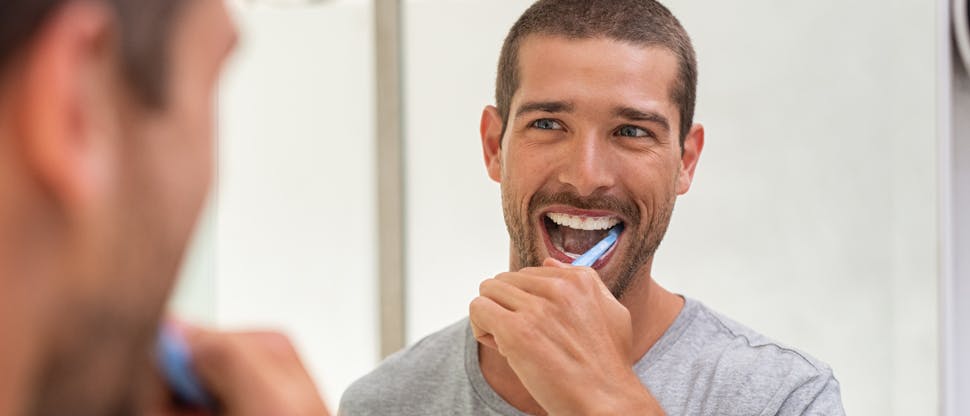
[(175, 363), (590, 256)]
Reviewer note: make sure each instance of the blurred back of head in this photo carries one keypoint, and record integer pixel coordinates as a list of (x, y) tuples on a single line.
[(105, 161), (143, 27)]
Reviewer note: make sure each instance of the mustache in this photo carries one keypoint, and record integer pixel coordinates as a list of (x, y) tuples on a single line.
[(624, 207)]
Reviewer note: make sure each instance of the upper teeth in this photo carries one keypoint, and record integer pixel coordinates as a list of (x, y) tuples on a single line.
[(583, 223)]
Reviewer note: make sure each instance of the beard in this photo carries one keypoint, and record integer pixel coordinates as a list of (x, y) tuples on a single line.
[(97, 373), (646, 228)]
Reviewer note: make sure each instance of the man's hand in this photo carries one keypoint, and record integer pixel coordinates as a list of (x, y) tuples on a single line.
[(251, 373), (566, 337)]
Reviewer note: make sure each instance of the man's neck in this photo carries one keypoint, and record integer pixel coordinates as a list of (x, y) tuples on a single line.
[(29, 308), (22, 349), (653, 310)]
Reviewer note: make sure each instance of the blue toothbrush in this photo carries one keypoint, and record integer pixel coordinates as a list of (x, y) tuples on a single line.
[(597, 251), (175, 362)]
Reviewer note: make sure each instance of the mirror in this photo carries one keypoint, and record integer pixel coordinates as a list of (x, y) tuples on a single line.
[(813, 217)]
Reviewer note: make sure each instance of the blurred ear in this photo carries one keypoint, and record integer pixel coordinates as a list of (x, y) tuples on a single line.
[(693, 145), (66, 95), (491, 131)]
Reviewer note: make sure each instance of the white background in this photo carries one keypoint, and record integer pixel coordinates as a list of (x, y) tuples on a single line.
[(812, 218), (291, 244)]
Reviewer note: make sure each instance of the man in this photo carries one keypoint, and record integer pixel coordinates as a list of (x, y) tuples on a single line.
[(105, 152), (592, 130)]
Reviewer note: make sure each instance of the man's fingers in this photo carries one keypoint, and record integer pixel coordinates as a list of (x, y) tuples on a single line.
[(226, 362), (551, 262), (272, 343), (536, 281), (483, 337), (216, 359), (487, 318), (553, 279), (545, 271), (254, 372), (505, 294), (589, 273)]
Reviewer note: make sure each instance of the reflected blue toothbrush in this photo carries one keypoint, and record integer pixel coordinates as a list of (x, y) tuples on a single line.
[(597, 251), (175, 362)]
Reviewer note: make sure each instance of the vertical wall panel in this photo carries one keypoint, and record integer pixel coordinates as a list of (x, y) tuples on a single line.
[(955, 222)]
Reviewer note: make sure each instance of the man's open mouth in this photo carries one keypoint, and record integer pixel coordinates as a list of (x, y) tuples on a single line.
[(568, 236)]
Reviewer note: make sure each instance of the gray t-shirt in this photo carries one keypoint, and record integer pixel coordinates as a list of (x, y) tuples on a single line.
[(705, 364)]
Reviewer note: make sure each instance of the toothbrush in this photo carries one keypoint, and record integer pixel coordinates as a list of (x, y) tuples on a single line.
[(175, 362), (597, 251)]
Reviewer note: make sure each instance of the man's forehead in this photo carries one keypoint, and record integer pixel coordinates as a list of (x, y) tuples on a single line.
[(550, 66)]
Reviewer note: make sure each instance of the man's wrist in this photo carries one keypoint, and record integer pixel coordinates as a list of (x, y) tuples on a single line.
[(629, 397), (638, 402)]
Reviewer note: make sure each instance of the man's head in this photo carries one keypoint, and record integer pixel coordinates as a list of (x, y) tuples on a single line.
[(593, 127), (105, 161), (644, 23)]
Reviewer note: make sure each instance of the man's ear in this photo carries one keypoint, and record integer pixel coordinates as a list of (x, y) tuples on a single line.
[(693, 145), (491, 130), (65, 96)]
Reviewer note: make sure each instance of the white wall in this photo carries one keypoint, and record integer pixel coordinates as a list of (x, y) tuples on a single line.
[(823, 119), (456, 236), (291, 244), (813, 215)]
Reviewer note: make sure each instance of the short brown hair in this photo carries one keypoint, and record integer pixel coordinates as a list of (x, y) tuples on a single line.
[(144, 27), (642, 22)]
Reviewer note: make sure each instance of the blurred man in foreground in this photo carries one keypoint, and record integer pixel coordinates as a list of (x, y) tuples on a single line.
[(105, 153)]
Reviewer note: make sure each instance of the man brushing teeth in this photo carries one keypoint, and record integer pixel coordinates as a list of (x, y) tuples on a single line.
[(592, 130), (569, 236)]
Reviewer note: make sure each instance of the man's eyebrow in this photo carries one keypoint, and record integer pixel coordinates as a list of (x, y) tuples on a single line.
[(545, 106), (631, 113)]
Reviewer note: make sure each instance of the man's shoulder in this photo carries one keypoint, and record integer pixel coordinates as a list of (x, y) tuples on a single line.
[(434, 353), (727, 336), (733, 360), (412, 376)]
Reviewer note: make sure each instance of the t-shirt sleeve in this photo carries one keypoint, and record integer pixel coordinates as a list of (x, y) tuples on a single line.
[(819, 396)]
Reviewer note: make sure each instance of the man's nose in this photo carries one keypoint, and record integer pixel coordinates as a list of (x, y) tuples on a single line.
[(587, 164)]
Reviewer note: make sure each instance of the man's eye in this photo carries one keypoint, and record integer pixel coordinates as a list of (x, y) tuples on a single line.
[(632, 131), (546, 124)]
